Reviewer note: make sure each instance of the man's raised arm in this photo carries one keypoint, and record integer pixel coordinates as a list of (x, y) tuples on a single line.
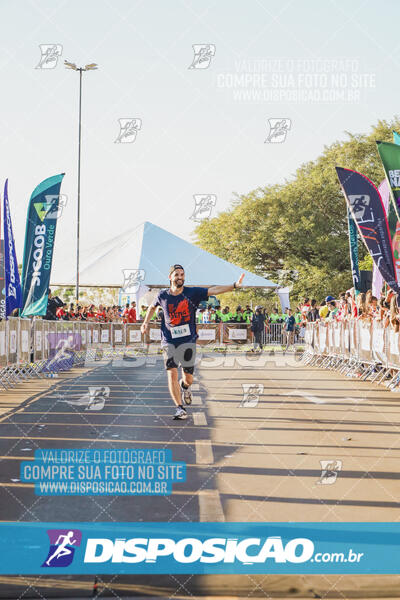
[(220, 289)]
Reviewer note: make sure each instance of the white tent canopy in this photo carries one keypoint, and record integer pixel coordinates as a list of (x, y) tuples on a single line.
[(153, 250)]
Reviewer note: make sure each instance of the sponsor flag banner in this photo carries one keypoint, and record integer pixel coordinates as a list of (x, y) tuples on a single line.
[(11, 274), (396, 137), (353, 243), (368, 212), (212, 548), (2, 283), (39, 244), (390, 157), (377, 279)]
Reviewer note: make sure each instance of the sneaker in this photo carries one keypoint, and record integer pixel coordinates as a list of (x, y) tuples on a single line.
[(180, 413), (186, 394)]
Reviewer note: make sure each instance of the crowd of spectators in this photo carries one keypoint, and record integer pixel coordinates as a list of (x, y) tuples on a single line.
[(349, 305), (57, 310), (238, 315)]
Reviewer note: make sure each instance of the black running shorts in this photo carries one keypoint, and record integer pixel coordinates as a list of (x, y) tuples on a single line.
[(184, 355)]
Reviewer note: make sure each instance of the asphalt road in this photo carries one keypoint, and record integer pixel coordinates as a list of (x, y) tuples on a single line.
[(251, 458)]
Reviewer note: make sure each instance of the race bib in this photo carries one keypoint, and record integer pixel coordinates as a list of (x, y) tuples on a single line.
[(180, 331)]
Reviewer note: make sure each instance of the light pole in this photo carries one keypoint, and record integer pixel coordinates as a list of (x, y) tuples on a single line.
[(90, 67)]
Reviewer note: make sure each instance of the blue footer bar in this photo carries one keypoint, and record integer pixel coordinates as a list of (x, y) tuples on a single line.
[(248, 548)]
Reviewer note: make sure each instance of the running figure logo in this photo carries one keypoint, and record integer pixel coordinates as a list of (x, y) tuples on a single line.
[(128, 129), (203, 205), (251, 394), (278, 129), (49, 55), (361, 208), (62, 547), (203, 53), (94, 399), (329, 471)]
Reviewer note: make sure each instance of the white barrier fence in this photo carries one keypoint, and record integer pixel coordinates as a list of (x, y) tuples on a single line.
[(42, 348), (361, 348)]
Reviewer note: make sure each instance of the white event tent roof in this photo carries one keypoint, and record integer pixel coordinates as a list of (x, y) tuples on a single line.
[(152, 249)]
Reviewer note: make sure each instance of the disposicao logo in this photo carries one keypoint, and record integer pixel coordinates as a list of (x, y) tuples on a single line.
[(62, 547), (191, 550)]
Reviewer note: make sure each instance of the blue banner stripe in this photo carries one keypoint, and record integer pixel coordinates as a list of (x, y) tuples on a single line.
[(219, 548)]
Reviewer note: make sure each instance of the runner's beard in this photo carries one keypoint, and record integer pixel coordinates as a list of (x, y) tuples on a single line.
[(179, 283)]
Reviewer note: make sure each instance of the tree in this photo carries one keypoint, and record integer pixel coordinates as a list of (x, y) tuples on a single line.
[(300, 224)]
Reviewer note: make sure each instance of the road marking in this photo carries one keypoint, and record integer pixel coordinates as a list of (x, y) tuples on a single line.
[(210, 506), (204, 452), (197, 401), (313, 399), (199, 418)]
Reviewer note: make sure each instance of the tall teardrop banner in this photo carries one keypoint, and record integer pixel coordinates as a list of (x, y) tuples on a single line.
[(39, 244), (353, 244), (366, 206), (377, 279), (390, 157), (11, 274)]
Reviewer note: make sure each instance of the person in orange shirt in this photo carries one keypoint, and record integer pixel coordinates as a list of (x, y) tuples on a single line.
[(132, 313), (101, 314)]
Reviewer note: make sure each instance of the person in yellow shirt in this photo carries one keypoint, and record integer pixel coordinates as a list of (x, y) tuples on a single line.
[(324, 310)]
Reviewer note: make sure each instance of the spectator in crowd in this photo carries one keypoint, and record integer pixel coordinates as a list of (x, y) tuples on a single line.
[(91, 313), (257, 327), (289, 329), (125, 313), (275, 317), (313, 312), (238, 316), (393, 315), (225, 315), (132, 313), (305, 307), (323, 310), (247, 314), (206, 315), (52, 304), (360, 304), (333, 310), (61, 313)]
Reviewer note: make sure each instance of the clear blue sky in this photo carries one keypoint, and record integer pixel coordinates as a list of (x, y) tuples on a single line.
[(198, 134)]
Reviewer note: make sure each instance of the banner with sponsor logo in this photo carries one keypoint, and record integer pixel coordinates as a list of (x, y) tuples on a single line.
[(2, 283), (367, 209), (377, 279), (353, 243), (39, 243), (390, 157), (11, 274)]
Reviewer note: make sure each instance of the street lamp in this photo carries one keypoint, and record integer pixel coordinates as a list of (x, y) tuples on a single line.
[(90, 67)]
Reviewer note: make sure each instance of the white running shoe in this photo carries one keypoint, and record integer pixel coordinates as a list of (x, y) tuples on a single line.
[(180, 413), (186, 394)]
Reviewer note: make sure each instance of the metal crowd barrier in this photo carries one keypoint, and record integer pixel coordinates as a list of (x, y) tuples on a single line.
[(39, 348), (357, 348)]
